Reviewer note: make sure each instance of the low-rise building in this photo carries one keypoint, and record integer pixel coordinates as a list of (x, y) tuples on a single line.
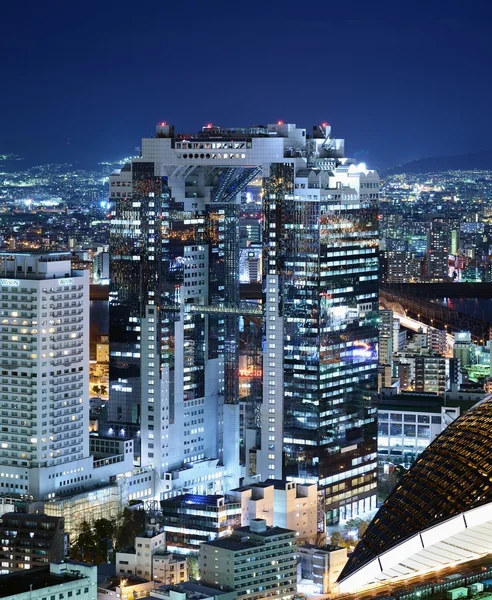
[(169, 568), (30, 541), (322, 565), (425, 371), (409, 422), (124, 588), (282, 504), (255, 561), (148, 559), (190, 519), (137, 559), (191, 590), (104, 501), (57, 580)]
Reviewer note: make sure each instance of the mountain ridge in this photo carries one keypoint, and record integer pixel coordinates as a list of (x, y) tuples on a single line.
[(481, 161)]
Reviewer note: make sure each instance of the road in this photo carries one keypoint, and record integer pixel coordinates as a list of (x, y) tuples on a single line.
[(415, 325)]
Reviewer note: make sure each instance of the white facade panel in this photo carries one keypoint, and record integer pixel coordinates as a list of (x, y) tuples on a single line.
[(442, 531)]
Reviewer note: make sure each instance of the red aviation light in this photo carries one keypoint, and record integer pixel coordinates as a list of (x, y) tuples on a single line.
[(280, 122)]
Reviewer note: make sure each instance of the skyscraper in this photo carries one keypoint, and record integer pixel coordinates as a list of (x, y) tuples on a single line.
[(46, 453), (386, 337), (44, 364), (438, 249), (176, 308), (321, 302)]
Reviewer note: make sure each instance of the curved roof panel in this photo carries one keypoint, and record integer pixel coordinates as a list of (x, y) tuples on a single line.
[(452, 476)]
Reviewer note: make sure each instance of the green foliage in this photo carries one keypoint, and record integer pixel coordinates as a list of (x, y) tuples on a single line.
[(320, 538), (94, 541), (193, 572), (355, 525), (130, 524), (350, 534), (86, 547), (337, 539), (104, 529), (86, 536)]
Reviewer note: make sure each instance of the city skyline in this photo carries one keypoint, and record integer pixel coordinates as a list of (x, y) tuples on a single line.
[(250, 358), (409, 80), (223, 381)]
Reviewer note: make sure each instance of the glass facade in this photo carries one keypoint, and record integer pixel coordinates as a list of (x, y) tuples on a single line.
[(322, 243), (451, 476), (174, 317), (248, 205), (135, 262)]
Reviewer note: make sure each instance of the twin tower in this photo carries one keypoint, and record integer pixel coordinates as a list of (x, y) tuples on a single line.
[(225, 375)]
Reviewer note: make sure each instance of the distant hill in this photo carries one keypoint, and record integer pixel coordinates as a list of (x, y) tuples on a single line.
[(465, 162)]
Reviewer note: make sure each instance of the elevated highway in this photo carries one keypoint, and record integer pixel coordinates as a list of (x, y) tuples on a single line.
[(443, 290), (424, 309)]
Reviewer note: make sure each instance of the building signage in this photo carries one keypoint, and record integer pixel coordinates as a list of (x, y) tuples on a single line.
[(65, 281), (10, 282)]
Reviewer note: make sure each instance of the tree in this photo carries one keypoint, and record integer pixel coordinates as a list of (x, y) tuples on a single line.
[(130, 524), (363, 527), (320, 538), (337, 539), (96, 389), (86, 547), (192, 564), (104, 390), (355, 528), (104, 528), (104, 531)]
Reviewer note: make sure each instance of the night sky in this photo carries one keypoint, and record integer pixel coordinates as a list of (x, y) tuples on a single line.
[(84, 81)]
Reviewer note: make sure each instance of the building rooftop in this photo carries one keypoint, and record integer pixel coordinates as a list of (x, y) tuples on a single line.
[(41, 254), (278, 484), (193, 590), (203, 500), (268, 532), (327, 548), (34, 518), (32, 579), (230, 543), (244, 538), (413, 402), (113, 582), (120, 438)]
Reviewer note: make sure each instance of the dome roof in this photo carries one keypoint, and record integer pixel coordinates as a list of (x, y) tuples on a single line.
[(453, 475)]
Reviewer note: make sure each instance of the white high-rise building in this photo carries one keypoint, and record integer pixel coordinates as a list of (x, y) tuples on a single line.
[(176, 307), (46, 453), (44, 373)]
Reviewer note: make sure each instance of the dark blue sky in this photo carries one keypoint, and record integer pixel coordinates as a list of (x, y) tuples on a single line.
[(399, 80)]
